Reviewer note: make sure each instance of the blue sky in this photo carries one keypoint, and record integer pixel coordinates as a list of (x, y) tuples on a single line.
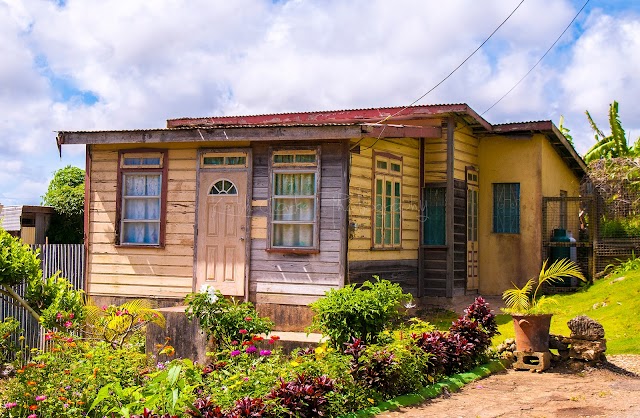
[(89, 64)]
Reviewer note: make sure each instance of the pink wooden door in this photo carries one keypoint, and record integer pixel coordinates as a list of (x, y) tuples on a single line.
[(221, 231)]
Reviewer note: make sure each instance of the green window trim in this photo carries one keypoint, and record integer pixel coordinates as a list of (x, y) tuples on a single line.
[(387, 210), (506, 208)]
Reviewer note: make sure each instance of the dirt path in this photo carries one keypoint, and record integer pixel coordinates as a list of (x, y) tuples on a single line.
[(555, 393)]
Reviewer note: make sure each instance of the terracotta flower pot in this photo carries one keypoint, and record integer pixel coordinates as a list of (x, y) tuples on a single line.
[(532, 332)]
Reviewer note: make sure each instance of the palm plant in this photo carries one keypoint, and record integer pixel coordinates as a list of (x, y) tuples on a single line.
[(522, 301), (613, 145)]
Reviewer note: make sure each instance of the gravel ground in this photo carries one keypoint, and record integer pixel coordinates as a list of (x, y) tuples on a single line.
[(610, 390)]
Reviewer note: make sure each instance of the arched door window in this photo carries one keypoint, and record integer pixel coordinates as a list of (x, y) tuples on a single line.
[(223, 187)]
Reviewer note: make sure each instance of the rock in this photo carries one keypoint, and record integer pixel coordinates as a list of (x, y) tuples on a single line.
[(584, 328), (587, 350), (501, 348), (509, 341), (558, 342)]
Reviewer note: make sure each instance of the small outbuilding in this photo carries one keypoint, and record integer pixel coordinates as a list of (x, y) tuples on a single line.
[(30, 223)]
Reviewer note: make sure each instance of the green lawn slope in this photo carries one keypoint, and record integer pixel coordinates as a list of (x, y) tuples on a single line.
[(614, 301)]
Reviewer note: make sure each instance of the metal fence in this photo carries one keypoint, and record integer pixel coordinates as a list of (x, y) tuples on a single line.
[(66, 258), (566, 233)]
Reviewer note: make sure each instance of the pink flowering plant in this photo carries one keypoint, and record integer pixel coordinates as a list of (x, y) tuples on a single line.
[(61, 306), (226, 320)]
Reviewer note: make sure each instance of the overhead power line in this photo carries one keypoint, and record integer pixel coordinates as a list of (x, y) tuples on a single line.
[(541, 58), (455, 69)]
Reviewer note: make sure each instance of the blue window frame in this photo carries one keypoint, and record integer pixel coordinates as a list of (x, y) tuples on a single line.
[(434, 216), (506, 208)]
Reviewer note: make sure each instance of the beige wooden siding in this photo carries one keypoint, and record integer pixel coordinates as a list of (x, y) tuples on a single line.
[(138, 272), (360, 205), (297, 279), (465, 152)]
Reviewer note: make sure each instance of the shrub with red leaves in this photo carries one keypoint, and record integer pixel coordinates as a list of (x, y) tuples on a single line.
[(149, 414), (480, 312), (304, 396), (247, 407), (204, 408)]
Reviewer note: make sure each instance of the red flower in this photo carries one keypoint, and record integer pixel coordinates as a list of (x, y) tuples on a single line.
[(243, 331), (257, 338)]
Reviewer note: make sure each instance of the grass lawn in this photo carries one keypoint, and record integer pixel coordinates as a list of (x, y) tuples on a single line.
[(613, 301)]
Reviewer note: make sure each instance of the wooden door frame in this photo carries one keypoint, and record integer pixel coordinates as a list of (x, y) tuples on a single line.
[(247, 233), (476, 184)]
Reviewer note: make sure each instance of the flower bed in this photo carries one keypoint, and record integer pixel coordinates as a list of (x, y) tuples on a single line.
[(249, 375)]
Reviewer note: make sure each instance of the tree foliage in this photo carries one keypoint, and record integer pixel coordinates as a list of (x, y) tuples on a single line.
[(66, 195), (613, 145)]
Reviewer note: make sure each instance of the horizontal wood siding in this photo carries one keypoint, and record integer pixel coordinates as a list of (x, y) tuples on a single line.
[(139, 272), (435, 159), (403, 272), (435, 271), (465, 152), (391, 264), (459, 236), (297, 279)]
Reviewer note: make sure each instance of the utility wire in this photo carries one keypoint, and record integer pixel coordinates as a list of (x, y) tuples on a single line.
[(455, 69), (541, 58)]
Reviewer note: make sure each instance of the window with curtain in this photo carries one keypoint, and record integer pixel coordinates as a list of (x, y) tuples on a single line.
[(141, 199), (294, 200), (434, 216), (506, 208), (387, 213)]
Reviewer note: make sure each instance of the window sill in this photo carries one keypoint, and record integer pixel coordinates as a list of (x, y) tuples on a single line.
[(434, 247), (293, 250), (385, 248), (157, 246)]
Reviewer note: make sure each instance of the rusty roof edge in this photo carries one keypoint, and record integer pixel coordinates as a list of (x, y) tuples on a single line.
[(548, 127)]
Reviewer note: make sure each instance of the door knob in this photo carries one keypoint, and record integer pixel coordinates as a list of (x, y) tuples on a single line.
[(241, 238)]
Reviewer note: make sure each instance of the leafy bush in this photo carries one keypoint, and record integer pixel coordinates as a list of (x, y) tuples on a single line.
[(60, 305), (389, 371), (116, 324), (358, 312), (227, 321), (17, 262), (8, 330)]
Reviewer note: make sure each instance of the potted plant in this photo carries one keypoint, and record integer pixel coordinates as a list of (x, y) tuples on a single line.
[(531, 312)]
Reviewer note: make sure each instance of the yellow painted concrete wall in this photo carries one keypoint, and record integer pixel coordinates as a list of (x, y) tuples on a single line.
[(506, 258), (360, 205), (556, 175)]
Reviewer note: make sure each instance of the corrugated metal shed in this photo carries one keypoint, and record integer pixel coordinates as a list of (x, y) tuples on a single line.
[(10, 216)]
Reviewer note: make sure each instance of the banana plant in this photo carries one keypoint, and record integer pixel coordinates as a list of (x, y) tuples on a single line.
[(613, 145)]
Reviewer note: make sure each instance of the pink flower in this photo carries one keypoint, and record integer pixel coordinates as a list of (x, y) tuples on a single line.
[(47, 336), (68, 324), (234, 353), (69, 340), (243, 331), (234, 342), (104, 307), (265, 352), (118, 312), (71, 315), (10, 405), (58, 315), (246, 379), (251, 349), (32, 416), (40, 398), (248, 318)]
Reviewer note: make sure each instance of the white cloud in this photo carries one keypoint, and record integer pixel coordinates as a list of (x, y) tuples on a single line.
[(149, 61)]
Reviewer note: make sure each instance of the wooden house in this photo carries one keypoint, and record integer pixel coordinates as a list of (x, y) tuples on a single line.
[(30, 223), (278, 209)]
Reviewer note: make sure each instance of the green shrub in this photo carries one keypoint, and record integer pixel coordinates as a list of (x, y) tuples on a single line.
[(620, 227), (8, 330), (358, 312), (227, 321), (61, 306)]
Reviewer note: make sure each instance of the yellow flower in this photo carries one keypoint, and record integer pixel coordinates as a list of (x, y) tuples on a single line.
[(89, 355), (371, 400), (294, 363)]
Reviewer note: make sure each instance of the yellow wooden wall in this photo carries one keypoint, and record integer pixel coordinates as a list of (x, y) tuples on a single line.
[(138, 272), (465, 151), (360, 205)]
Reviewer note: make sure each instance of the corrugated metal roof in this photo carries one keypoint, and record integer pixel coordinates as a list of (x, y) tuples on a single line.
[(10, 218), (311, 112), (222, 126)]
